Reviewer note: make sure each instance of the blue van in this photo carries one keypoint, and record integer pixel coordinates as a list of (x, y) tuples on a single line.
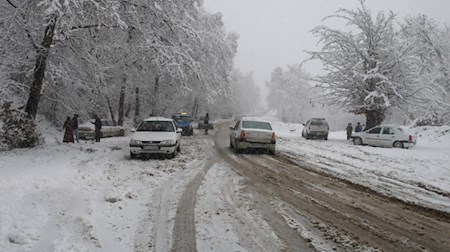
[(184, 121)]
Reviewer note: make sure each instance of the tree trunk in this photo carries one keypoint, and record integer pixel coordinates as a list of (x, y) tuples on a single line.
[(374, 118), (121, 106), (136, 110), (39, 70), (155, 112), (111, 110), (127, 112)]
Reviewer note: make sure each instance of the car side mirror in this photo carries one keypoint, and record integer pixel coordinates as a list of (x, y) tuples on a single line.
[(133, 130), (304, 124), (179, 130), (231, 128)]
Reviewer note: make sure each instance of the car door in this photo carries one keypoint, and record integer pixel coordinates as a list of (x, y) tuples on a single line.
[(305, 128), (372, 136), (234, 133), (387, 137)]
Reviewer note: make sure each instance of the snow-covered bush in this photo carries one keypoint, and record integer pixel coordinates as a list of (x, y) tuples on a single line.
[(433, 119), (18, 130)]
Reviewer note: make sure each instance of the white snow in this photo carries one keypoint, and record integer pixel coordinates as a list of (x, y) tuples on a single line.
[(92, 197), (420, 174)]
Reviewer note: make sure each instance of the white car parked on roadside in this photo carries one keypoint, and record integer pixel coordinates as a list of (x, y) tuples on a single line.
[(385, 136), (156, 135)]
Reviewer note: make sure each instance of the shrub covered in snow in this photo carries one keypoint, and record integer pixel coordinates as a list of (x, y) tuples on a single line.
[(18, 130)]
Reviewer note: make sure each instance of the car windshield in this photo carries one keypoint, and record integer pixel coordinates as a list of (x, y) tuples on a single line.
[(182, 118), (164, 126), (318, 122), (256, 125), (107, 123)]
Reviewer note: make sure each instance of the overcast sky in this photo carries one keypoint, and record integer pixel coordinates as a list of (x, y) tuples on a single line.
[(275, 33)]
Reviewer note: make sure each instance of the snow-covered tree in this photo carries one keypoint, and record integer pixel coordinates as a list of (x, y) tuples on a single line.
[(368, 68), (290, 93), (431, 50), (78, 55)]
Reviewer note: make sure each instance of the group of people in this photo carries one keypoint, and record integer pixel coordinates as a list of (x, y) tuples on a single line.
[(71, 133), (358, 128)]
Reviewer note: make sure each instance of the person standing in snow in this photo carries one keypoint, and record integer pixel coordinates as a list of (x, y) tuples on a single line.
[(75, 128), (358, 127), (206, 122), (349, 130), (98, 128), (68, 133)]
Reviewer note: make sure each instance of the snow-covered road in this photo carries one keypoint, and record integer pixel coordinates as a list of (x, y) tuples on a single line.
[(92, 197)]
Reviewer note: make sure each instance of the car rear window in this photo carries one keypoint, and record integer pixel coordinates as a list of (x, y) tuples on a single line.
[(318, 122), (161, 126), (256, 125)]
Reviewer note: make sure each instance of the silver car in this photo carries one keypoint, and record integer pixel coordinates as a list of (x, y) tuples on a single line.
[(109, 129), (385, 136), (316, 128), (252, 133)]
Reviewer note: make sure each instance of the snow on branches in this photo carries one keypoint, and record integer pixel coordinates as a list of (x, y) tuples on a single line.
[(372, 68)]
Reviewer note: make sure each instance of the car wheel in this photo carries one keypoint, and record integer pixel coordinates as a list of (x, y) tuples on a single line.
[(308, 137), (173, 154), (122, 132), (133, 156), (179, 148), (325, 137), (231, 144), (357, 141), (272, 152), (398, 144)]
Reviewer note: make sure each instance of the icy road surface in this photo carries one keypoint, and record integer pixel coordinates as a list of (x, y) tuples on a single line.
[(92, 197)]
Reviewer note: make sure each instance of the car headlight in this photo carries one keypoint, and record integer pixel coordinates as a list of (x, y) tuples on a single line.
[(168, 142), (135, 142)]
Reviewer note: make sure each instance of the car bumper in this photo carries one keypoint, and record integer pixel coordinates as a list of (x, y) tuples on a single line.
[(408, 144), (86, 135), (255, 145), (138, 150), (186, 131), (318, 133)]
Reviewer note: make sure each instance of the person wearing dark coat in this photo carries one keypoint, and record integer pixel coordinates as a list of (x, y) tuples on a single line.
[(206, 122), (358, 127), (75, 128), (349, 130), (68, 133), (98, 128)]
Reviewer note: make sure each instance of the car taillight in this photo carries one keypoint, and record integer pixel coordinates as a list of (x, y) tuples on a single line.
[(410, 138), (242, 135), (274, 138)]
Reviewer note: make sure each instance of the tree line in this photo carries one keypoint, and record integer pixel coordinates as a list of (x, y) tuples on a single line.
[(115, 58), (379, 67)]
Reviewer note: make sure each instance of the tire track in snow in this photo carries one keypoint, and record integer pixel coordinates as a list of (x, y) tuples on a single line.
[(184, 230)]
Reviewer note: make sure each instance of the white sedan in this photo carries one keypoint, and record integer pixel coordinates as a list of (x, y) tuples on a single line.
[(385, 136), (252, 133), (156, 135)]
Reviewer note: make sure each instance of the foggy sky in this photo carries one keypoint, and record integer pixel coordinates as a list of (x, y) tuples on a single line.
[(275, 33)]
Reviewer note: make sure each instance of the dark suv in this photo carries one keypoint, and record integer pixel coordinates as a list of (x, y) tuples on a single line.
[(184, 121)]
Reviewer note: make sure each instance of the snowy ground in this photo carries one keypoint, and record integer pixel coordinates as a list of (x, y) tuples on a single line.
[(420, 175), (92, 197)]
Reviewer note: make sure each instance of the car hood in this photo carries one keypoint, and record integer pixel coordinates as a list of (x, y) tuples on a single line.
[(154, 136)]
